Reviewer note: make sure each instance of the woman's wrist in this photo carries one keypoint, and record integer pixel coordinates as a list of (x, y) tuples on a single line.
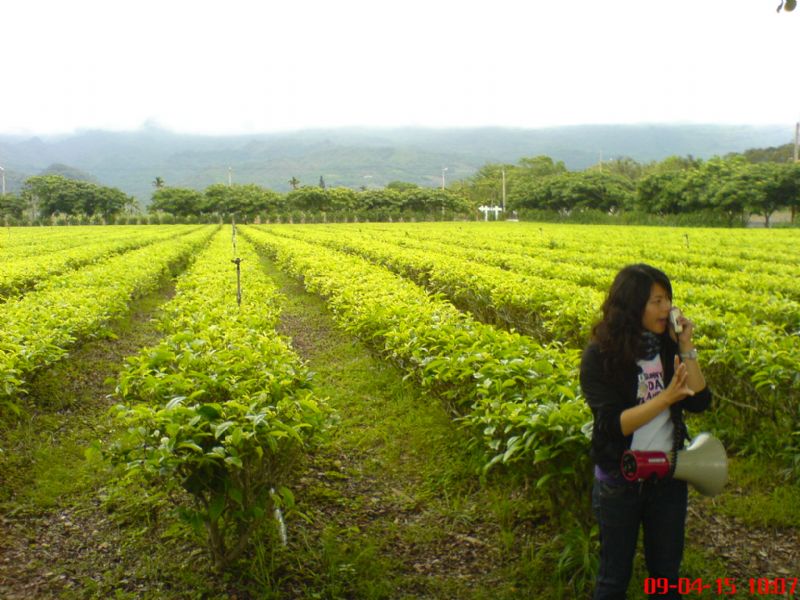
[(667, 398)]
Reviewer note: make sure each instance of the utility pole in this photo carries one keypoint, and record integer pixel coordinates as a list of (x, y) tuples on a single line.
[(796, 157), (443, 172), (229, 176), (503, 172)]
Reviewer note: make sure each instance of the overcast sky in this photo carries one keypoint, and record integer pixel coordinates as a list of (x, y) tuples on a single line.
[(238, 66)]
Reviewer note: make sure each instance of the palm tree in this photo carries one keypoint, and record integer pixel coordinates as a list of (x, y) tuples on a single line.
[(158, 183), (294, 182), (131, 205)]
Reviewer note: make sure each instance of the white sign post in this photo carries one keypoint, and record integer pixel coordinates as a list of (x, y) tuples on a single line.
[(487, 209)]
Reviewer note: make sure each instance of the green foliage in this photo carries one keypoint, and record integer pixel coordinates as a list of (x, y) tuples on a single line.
[(532, 306), (177, 201), (630, 217), (540, 166), (774, 154), (221, 407), (673, 164), (51, 194), (308, 198), (596, 190), (728, 189), (513, 393), (342, 198), (27, 260), (401, 186), (345, 563), (485, 187), (241, 201), (191, 405), (412, 199), (661, 193), (550, 289), (432, 199), (768, 502), (377, 199), (777, 185), (12, 208), (37, 329), (578, 560), (624, 166)]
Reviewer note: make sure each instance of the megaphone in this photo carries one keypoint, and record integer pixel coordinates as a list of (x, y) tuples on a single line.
[(703, 464)]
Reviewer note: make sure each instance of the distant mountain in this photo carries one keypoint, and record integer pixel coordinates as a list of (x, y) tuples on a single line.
[(354, 157), (68, 172)]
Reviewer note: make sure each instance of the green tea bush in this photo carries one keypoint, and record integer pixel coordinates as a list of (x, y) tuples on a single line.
[(218, 412)]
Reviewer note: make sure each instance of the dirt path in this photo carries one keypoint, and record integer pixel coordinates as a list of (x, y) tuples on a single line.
[(747, 551), (56, 541)]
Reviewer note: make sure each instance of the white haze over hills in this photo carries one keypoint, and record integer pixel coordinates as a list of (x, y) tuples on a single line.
[(356, 156)]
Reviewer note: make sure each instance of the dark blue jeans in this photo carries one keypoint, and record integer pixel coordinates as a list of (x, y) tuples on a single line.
[(660, 508)]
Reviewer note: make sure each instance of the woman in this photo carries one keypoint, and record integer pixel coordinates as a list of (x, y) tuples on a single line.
[(638, 377)]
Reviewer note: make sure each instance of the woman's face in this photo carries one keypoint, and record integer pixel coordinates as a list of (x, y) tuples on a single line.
[(656, 311)]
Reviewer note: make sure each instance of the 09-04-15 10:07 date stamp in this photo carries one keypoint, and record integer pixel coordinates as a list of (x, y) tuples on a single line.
[(787, 587)]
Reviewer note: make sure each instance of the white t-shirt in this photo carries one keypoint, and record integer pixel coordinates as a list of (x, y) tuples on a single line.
[(658, 433)]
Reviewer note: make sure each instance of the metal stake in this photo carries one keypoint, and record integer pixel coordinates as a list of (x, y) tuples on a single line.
[(238, 262)]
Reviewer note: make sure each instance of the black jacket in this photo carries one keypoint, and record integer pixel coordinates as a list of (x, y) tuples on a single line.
[(608, 397)]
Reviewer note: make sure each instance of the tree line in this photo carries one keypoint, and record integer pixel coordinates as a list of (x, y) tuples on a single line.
[(247, 201), (48, 198), (56, 199), (726, 189), (733, 187)]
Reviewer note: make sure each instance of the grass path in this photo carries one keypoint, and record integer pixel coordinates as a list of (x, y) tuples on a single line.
[(394, 503), (55, 539)]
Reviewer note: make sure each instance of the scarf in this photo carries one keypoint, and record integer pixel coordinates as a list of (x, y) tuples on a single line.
[(651, 345)]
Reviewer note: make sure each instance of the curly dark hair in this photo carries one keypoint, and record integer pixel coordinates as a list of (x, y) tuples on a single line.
[(619, 332)]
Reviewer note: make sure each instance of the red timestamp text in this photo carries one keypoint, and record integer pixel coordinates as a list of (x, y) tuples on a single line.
[(723, 586)]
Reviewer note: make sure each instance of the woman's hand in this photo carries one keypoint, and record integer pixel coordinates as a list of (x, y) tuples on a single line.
[(684, 338), (633, 418), (695, 377), (678, 388)]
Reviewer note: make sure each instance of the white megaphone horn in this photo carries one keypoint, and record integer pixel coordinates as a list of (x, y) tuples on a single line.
[(703, 464)]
